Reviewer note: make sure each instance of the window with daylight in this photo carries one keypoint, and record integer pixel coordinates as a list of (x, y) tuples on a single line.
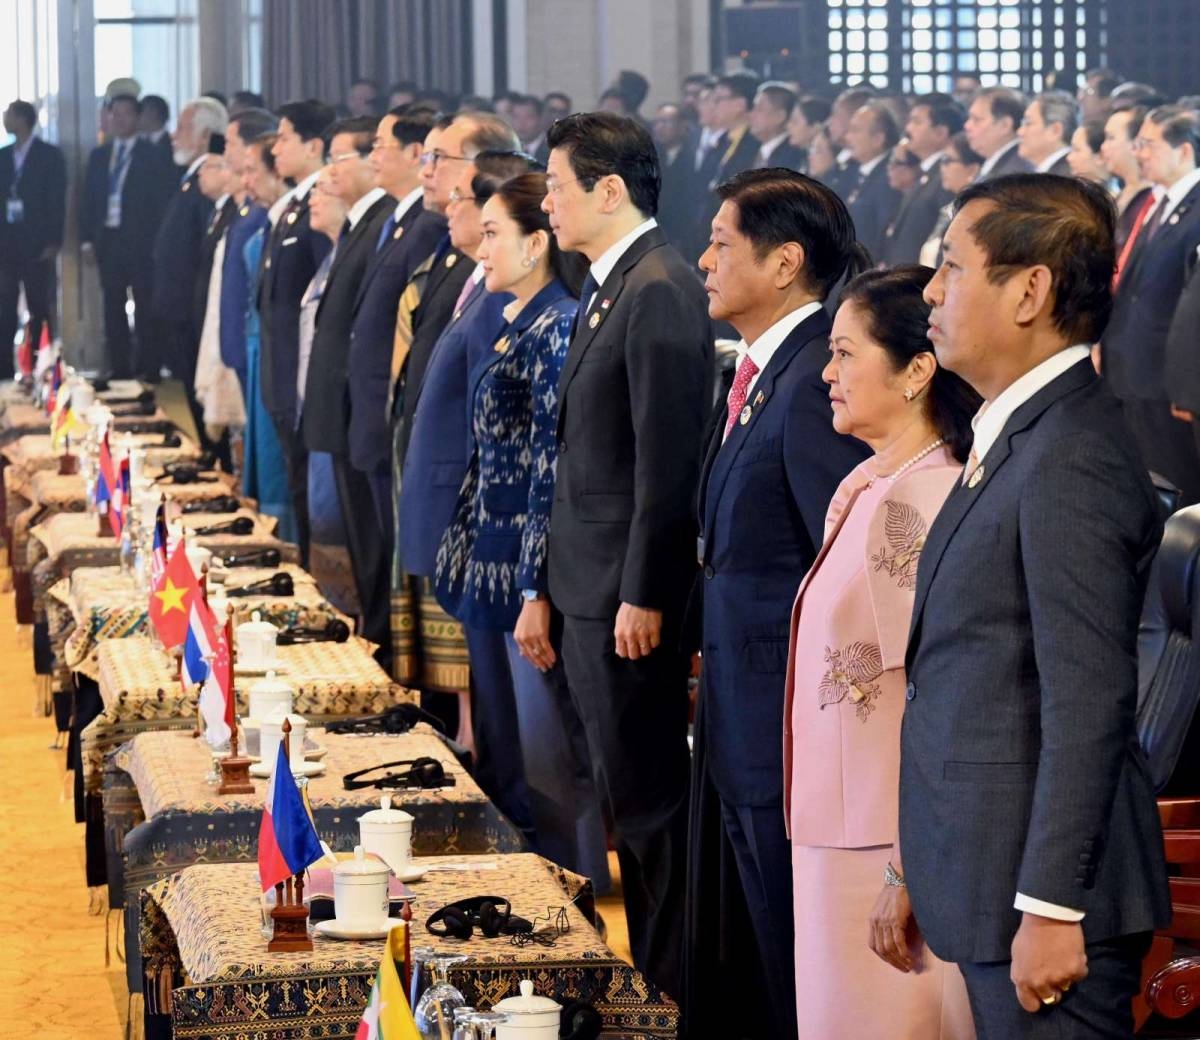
[(918, 45)]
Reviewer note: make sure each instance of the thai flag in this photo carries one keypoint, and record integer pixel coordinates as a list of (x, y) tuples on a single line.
[(199, 646), (287, 840)]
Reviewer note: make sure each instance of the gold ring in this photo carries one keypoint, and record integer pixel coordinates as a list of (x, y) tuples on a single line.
[(1052, 999)]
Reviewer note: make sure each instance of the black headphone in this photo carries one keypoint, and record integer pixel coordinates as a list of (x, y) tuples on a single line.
[(252, 558), (240, 525), (424, 773), (185, 473), (220, 504), (335, 630), (278, 584), (492, 915)]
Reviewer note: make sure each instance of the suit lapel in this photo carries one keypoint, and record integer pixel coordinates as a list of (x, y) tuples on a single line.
[(375, 261), (591, 322), (963, 496), (723, 455)]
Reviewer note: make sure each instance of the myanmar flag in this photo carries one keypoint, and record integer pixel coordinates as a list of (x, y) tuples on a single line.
[(388, 1016)]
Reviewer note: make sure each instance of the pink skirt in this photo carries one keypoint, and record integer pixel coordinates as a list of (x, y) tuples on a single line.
[(842, 989)]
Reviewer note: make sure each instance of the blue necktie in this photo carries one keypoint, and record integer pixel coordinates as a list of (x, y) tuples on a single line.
[(388, 227), (590, 288), (114, 175)]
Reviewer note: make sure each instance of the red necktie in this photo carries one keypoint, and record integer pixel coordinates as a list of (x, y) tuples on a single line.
[(746, 371)]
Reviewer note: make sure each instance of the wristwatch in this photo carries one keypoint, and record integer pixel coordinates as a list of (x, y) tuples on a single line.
[(531, 595)]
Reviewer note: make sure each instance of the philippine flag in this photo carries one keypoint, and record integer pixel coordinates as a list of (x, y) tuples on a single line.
[(287, 840)]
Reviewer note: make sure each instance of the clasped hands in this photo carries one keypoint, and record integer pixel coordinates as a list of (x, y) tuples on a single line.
[(1047, 955)]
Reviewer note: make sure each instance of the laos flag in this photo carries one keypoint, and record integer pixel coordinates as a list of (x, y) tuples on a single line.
[(287, 840)]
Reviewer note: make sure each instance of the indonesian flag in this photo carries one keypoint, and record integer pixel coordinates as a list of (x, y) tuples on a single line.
[(172, 597), (287, 840), (388, 1016)]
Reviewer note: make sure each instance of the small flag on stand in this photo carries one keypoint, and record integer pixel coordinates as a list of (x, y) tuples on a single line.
[(119, 507), (388, 1015), (172, 597), (106, 479), (158, 549), (56, 375), (287, 840)]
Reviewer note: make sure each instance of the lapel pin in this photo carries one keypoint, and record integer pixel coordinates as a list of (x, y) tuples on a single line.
[(187, 185), (398, 232), (594, 320), (451, 260), (291, 217), (501, 346), (1174, 219), (745, 415), (605, 304), (758, 399), (243, 211), (975, 478)]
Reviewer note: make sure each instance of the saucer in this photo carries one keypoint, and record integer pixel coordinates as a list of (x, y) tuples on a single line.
[(335, 929), (410, 872), (313, 753), (278, 667), (263, 771)]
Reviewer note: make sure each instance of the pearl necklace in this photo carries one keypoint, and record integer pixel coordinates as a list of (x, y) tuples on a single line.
[(892, 477)]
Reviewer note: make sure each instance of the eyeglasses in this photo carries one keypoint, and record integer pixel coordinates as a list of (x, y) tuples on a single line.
[(341, 157), (382, 145), (458, 196), (555, 187), (435, 157)]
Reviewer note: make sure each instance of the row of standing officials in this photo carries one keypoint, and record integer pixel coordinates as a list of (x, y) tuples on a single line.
[(922, 760)]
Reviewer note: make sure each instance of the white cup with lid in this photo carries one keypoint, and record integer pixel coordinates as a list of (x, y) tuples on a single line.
[(256, 645), (530, 1017), (387, 832), (360, 891), (271, 734), (270, 696)]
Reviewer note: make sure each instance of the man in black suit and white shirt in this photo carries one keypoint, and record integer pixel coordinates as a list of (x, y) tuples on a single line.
[(33, 184), (932, 121), (152, 125), (769, 117), (871, 199), (125, 192), (1028, 829), (991, 130), (1045, 132), (633, 397)]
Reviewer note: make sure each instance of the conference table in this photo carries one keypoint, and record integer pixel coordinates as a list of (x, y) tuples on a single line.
[(162, 812), (208, 973)]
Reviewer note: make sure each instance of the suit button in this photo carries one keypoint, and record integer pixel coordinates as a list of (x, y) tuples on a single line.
[(708, 571), (562, 447), (910, 691)]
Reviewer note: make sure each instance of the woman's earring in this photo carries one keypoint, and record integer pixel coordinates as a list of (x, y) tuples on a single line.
[(529, 261), (908, 393)]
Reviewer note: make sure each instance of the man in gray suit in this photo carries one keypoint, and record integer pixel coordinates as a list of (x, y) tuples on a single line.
[(1032, 851)]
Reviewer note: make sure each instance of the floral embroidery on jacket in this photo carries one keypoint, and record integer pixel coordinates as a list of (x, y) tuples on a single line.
[(851, 674), (905, 529)]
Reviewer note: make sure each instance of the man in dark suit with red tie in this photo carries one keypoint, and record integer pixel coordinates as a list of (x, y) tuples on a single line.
[(33, 185), (633, 397), (780, 242), (1133, 351)]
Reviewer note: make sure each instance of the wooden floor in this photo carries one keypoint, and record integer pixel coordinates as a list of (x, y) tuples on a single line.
[(54, 983)]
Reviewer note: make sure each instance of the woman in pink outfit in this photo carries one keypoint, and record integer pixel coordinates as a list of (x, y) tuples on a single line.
[(846, 684)]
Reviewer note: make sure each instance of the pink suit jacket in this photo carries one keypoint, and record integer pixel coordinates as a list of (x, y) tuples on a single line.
[(841, 751)]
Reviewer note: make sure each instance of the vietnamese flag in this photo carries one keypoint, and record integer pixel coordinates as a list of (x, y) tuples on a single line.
[(171, 599)]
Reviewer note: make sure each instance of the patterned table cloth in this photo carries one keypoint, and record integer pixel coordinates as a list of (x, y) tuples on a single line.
[(139, 691), (207, 965), (67, 541), (161, 815), (98, 603), (22, 417), (35, 452)]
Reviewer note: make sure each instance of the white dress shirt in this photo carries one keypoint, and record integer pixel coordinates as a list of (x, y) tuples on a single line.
[(763, 349), (929, 163), (607, 260), (989, 163), (1045, 165), (407, 203), (988, 424), (767, 148), (300, 191), (359, 209), (1177, 192), (866, 169)]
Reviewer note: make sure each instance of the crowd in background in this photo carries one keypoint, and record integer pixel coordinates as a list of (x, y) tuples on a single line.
[(463, 349)]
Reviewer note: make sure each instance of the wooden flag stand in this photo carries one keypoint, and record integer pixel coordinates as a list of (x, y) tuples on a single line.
[(68, 464), (105, 529), (235, 770), (289, 915)]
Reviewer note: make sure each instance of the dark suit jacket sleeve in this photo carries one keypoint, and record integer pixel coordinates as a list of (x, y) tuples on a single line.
[(817, 457), (669, 391), (1083, 534), (56, 194), (1183, 348)]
